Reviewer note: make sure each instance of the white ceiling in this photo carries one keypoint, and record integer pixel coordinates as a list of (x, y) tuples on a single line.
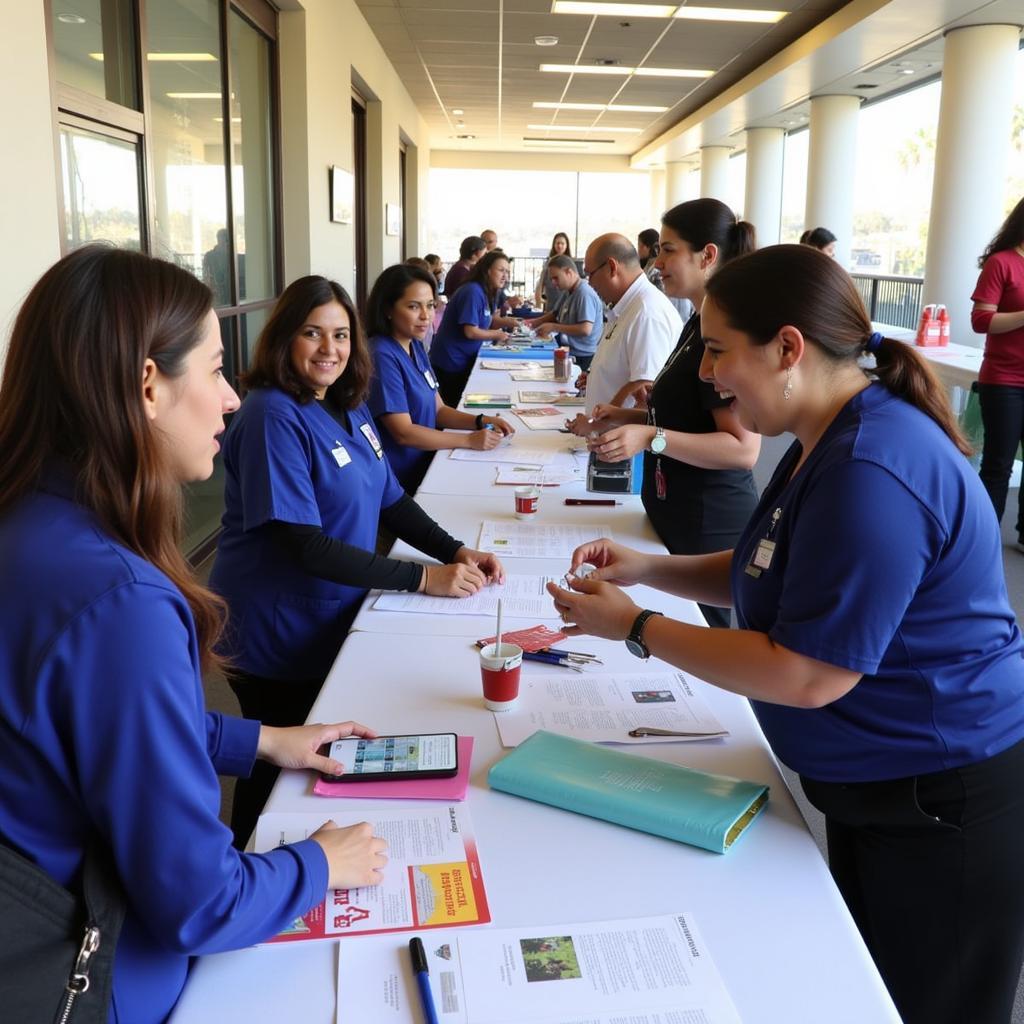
[(480, 56)]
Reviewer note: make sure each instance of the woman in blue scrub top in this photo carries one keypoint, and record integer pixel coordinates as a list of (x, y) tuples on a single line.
[(412, 420), (306, 487), (876, 640), (470, 319), (112, 398)]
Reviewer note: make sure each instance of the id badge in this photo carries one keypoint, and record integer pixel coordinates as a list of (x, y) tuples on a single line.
[(762, 560), (341, 456), (367, 431), (660, 487), (429, 377)]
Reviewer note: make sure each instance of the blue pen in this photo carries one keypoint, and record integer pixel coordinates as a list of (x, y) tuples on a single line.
[(422, 971), (551, 659)]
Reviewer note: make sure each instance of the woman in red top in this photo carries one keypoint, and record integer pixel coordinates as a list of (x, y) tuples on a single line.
[(999, 314)]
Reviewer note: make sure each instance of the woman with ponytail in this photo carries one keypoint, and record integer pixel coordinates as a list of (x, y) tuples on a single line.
[(876, 640), (998, 313), (112, 399), (698, 491)]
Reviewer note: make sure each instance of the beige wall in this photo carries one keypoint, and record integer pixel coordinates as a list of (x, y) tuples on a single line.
[(326, 45), (29, 237)]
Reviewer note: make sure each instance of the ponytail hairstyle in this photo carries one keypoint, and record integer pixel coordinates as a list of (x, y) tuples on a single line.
[(1009, 236), (72, 396), (649, 238), (818, 238), (801, 287), (703, 221)]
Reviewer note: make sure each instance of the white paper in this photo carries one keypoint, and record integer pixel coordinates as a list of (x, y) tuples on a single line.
[(604, 708), (518, 454), (542, 475), (522, 595), (533, 373), (521, 539), (565, 399), (541, 418), (646, 970)]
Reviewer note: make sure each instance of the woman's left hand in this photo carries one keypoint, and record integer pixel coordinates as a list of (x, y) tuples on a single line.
[(597, 609), (622, 442), (299, 746), (503, 427), (487, 563)]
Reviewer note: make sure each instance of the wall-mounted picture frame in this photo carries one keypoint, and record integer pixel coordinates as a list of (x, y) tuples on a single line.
[(343, 194), (392, 219)]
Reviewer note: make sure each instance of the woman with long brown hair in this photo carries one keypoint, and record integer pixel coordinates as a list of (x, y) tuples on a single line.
[(307, 486), (112, 399), (876, 641)]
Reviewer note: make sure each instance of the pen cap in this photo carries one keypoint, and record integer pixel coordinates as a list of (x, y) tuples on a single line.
[(418, 955)]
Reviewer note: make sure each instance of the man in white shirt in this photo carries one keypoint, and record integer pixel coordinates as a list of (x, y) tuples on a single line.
[(641, 332)]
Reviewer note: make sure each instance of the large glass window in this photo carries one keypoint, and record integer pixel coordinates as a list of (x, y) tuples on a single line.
[(794, 185), (736, 197), (1015, 175), (94, 48)]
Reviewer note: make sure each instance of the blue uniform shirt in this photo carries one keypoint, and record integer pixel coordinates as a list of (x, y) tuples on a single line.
[(294, 463), (887, 561), (103, 729), (403, 382), (580, 305), (451, 350)]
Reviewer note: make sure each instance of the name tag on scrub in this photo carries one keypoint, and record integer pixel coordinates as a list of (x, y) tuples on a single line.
[(341, 456)]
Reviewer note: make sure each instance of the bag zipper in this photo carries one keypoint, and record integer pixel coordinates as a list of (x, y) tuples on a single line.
[(78, 981)]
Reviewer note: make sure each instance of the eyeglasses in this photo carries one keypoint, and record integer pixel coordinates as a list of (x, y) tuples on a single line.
[(591, 273)]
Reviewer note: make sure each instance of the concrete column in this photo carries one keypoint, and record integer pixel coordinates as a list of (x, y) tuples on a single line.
[(831, 162), (658, 203), (762, 200), (971, 151), (675, 183), (714, 172)]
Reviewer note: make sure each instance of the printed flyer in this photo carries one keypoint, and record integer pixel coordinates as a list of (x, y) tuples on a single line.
[(432, 879)]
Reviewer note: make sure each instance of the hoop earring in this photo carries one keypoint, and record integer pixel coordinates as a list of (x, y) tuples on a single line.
[(787, 391)]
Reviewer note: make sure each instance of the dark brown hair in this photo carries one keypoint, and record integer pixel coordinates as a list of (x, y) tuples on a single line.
[(568, 248), (703, 221), (482, 269), (1009, 236), (272, 360), (389, 287), (72, 395), (801, 287)]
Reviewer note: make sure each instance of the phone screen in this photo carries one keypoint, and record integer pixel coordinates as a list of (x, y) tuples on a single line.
[(396, 756)]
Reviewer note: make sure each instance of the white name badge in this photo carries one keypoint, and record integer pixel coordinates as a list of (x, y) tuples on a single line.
[(367, 431), (341, 456), (429, 377), (764, 554)]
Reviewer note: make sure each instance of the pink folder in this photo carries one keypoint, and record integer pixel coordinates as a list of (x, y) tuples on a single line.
[(408, 789)]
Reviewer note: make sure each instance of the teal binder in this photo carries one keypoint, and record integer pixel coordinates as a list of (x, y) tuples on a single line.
[(709, 811)]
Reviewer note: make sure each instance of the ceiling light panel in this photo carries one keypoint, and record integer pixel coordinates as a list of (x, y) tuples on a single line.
[(622, 108), (607, 129), (685, 11), (623, 70)]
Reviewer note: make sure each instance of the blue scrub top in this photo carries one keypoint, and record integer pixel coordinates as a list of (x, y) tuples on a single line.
[(887, 561), (451, 350), (403, 382), (294, 463), (103, 730)]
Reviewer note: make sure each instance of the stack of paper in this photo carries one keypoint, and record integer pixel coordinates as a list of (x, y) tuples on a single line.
[(523, 595), (517, 539)]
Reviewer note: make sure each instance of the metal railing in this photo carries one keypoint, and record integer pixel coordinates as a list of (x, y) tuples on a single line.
[(890, 299)]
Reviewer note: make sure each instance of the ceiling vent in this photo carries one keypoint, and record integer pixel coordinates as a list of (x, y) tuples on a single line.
[(866, 85)]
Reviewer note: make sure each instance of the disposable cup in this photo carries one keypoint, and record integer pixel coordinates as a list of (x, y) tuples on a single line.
[(499, 671), (527, 501)]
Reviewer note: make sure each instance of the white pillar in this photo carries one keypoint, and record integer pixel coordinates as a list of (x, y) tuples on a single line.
[(831, 161), (675, 183), (762, 199), (971, 150), (658, 203), (714, 172)]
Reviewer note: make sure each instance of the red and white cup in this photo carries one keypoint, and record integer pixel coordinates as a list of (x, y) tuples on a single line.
[(499, 670), (527, 501)]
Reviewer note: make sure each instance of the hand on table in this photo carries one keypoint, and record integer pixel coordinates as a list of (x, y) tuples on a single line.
[(454, 580), (580, 425), (622, 442), (484, 440), (594, 607), (299, 746), (502, 427), (355, 856), (486, 562)]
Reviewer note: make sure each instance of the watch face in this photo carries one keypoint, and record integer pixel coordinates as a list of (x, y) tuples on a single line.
[(658, 444), (636, 648)]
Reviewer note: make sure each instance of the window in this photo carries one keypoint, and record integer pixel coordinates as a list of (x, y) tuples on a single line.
[(359, 211), (794, 185)]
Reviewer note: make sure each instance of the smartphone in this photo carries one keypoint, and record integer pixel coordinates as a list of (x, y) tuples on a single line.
[(433, 756)]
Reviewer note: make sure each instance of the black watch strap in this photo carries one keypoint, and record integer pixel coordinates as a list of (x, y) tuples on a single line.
[(479, 421), (635, 641)]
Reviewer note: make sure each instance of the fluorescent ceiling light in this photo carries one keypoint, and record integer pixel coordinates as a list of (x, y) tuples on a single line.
[(570, 142), (234, 120), (620, 69), (583, 128), (193, 95), (618, 10), (169, 56), (622, 108)]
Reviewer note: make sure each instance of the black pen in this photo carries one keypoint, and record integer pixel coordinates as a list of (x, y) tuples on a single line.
[(422, 972)]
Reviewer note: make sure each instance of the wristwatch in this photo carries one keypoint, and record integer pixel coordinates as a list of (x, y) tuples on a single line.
[(479, 421), (634, 642), (658, 442)]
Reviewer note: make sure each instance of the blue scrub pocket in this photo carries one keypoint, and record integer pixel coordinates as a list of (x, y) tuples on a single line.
[(309, 630)]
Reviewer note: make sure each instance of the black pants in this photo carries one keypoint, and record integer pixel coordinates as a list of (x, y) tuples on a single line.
[(451, 384), (279, 702), (1002, 416), (930, 868)]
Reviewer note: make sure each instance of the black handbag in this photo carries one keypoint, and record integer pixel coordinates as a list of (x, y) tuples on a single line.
[(56, 948)]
